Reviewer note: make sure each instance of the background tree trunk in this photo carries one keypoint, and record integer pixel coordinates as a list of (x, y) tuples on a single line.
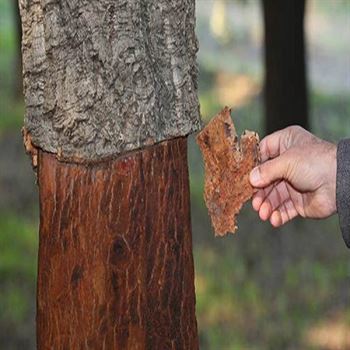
[(285, 87), (18, 81), (111, 93)]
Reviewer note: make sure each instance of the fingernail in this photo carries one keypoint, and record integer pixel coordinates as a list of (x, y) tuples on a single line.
[(255, 176)]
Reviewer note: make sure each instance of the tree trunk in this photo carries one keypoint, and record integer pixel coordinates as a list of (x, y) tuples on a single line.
[(111, 94), (285, 67), (115, 260)]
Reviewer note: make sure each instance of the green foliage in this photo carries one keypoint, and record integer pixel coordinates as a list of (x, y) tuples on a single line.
[(18, 261), (18, 242), (330, 115), (7, 34), (11, 111), (237, 309), (11, 114)]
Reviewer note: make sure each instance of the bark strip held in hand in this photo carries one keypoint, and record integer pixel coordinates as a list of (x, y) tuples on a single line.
[(228, 162)]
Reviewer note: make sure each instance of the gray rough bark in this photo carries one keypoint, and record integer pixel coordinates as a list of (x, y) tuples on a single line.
[(109, 76)]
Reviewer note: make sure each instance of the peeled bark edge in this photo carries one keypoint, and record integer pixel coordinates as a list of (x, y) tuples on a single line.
[(30, 149)]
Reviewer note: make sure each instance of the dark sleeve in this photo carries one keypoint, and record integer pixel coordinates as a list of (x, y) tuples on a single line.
[(343, 188)]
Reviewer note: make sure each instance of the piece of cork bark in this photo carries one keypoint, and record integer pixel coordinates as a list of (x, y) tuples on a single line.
[(228, 162)]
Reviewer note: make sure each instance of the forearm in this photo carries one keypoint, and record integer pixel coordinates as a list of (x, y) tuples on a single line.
[(343, 188)]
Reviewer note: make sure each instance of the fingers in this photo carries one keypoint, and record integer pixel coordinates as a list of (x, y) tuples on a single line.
[(278, 194), (265, 211), (272, 200), (261, 204), (271, 145), (283, 214), (259, 197), (272, 170), (265, 201), (274, 203)]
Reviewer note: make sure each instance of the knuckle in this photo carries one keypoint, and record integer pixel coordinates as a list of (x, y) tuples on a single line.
[(296, 128), (294, 131)]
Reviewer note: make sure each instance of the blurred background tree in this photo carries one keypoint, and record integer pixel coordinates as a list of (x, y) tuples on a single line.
[(17, 81), (285, 86), (253, 291)]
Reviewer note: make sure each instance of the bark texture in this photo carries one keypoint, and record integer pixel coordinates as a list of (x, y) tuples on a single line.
[(286, 100), (115, 260), (228, 163), (109, 76)]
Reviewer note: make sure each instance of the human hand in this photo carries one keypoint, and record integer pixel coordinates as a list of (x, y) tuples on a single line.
[(297, 177)]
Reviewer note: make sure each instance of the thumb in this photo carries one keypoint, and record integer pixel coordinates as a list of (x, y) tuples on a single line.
[(270, 171)]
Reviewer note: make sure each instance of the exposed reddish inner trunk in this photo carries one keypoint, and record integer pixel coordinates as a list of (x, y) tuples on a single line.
[(115, 257)]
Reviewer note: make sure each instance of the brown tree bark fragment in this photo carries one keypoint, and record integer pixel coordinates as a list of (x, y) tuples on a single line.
[(228, 163), (115, 258), (30, 149)]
